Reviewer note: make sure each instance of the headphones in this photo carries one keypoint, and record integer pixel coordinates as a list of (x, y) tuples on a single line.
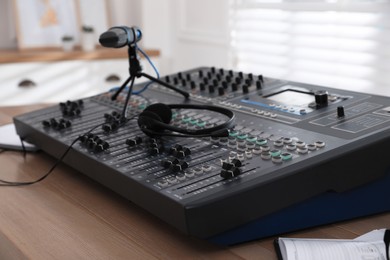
[(154, 120)]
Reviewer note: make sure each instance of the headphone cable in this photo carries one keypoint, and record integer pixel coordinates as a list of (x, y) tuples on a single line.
[(59, 160)]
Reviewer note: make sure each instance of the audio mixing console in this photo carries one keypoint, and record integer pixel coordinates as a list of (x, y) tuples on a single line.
[(290, 142)]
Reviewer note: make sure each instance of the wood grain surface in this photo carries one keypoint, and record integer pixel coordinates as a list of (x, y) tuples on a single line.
[(69, 216)]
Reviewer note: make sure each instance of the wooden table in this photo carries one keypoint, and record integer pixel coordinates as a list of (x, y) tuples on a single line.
[(69, 216)]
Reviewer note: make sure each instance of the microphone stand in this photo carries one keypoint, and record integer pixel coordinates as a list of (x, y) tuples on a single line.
[(135, 71)]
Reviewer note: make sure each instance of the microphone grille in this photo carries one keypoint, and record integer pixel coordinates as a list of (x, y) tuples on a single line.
[(113, 38)]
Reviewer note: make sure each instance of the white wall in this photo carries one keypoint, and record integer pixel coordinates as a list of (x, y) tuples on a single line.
[(125, 12), (189, 33), (201, 33), (7, 25)]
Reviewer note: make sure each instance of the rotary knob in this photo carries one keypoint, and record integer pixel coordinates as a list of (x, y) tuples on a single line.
[(321, 98), (340, 112)]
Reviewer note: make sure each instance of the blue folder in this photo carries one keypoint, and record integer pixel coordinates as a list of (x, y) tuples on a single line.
[(372, 198)]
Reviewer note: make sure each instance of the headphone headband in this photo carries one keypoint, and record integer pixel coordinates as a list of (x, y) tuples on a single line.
[(153, 120)]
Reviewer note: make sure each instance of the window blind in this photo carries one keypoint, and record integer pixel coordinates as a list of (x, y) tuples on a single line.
[(341, 44)]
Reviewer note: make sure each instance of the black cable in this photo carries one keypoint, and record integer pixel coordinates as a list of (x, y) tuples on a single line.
[(16, 183), (23, 147), (386, 238), (126, 105)]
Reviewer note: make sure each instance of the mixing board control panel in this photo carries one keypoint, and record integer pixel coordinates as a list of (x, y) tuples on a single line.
[(290, 142)]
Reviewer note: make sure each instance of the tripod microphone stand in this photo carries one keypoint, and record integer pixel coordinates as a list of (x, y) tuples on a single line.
[(135, 71)]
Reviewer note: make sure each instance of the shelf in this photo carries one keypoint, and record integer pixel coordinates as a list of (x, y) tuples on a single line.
[(49, 55)]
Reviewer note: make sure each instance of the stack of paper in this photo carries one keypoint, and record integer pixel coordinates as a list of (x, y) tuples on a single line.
[(370, 246)]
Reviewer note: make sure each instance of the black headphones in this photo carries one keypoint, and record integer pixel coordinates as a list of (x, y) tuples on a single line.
[(155, 119)]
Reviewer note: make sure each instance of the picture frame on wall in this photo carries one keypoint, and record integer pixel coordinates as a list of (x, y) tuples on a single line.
[(42, 24), (94, 20), (95, 14)]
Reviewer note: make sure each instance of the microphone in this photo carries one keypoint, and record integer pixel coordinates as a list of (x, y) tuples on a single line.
[(119, 36)]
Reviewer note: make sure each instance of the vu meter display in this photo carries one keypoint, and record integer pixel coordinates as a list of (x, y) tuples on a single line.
[(292, 97)]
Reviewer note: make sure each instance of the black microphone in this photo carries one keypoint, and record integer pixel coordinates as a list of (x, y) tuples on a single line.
[(119, 36)]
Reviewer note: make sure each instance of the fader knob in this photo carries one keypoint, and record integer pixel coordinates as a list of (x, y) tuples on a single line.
[(175, 168), (193, 85), (105, 145), (53, 122), (166, 163), (155, 151), (99, 148), (221, 91), (236, 162), (91, 144), (233, 172), (183, 165), (187, 151), (46, 123), (83, 138), (61, 126), (245, 89), (107, 128), (184, 82), (259, 84), (225, 84), (228, 79)]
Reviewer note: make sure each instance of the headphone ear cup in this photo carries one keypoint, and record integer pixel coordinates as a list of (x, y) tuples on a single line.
[(150, 121), (161, 110)]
